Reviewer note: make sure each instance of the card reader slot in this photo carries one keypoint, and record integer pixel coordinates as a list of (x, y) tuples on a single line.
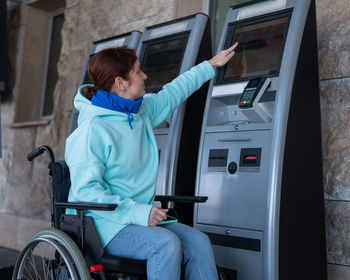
[(250, 157)]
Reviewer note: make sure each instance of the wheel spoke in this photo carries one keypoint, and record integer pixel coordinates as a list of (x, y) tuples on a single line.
[(25, 277), (50, 255), (45, 262), (29, 273), (25, 270), (51, 271), (34, 268)]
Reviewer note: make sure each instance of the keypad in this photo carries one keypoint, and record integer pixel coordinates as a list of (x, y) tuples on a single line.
[(247, 96)]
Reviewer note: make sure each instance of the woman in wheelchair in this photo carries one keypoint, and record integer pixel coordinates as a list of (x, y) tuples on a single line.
[(113, 158)]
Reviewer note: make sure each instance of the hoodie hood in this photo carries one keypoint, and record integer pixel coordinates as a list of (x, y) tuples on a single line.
[(87, 110)]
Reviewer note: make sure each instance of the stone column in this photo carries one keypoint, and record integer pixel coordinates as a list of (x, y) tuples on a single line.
[(333, 19)]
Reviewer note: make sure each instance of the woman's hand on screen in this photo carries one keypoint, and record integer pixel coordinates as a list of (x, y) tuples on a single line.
[(223, 57)]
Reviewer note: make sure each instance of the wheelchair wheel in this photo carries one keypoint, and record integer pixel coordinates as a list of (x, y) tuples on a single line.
[(51, 254)]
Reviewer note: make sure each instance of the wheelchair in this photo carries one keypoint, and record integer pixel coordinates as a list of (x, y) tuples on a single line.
[(71, 249)]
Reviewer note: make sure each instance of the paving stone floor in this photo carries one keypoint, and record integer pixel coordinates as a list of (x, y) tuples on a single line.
[(7, 261), (7, 257)]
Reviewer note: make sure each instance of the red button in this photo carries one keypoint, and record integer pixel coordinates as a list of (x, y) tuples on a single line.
[(96, 267)]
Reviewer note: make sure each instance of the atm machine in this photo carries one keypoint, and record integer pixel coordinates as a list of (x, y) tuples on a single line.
[(167, 50), (260, 160), (130, 39)]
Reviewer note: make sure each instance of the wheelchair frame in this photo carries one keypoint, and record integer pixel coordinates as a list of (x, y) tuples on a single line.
[(74, 238)]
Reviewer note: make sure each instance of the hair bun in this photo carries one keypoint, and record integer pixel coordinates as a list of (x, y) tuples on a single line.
[(89, 91)]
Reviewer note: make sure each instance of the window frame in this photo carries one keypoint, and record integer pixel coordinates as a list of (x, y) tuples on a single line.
[(53, 14)]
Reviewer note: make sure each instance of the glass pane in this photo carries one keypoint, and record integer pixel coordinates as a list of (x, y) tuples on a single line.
[(52, 75), (218, 14), (259, 51), (162, 62)]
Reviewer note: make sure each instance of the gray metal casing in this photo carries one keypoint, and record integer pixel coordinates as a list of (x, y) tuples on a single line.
[(245, 207), (130, 40), (169, 138)]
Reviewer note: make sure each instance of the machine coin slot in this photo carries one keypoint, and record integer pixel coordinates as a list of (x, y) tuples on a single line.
[(250, 92), (250, 159), (217, 161)]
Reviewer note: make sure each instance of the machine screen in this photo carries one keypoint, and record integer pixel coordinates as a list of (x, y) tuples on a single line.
[(161, 62), (259, 51)]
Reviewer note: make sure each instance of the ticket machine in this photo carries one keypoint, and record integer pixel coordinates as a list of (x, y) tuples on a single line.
[(260, 160), (166, 51), (130, 40)]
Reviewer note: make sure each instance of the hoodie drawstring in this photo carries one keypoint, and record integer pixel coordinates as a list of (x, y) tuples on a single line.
[(130, 119)]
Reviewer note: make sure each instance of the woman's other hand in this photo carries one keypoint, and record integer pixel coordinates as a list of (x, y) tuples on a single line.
[(157, 215), (223, 57)]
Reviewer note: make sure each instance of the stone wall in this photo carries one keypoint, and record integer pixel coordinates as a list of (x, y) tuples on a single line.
[(333, 22)]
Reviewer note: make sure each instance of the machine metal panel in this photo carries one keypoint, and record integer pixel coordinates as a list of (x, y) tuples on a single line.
[(162, 141), (248, 264), (240, 260), (191, 31), (231, 196), (261, 8)]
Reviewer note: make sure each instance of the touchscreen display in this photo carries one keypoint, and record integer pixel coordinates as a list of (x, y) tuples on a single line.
[(161, 62), (259, 50)]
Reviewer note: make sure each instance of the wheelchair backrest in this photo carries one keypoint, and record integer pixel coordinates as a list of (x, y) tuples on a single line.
[(93, 250), (60, 187), (61, 180)]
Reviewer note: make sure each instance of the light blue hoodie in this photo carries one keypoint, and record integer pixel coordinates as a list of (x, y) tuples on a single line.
[(111, 163)]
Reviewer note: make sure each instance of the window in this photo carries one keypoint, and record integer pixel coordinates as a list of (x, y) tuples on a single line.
[(217, 12), (37, 74), (53, 54)]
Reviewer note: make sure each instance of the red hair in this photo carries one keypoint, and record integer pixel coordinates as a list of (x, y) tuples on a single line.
[(108, 64)]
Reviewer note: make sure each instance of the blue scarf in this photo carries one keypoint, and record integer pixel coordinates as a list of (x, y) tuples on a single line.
[(114, 102)]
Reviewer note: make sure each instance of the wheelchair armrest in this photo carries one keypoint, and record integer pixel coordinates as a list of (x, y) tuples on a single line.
[(86, 206), (165, 199)]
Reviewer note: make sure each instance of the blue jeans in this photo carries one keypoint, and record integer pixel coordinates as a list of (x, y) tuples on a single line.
[(166, 248)]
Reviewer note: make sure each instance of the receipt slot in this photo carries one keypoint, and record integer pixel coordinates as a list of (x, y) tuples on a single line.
[(130, 39), (265, 208), (166, 51)]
